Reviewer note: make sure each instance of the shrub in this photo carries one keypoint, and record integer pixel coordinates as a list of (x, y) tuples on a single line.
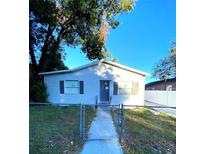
[(38, 92)]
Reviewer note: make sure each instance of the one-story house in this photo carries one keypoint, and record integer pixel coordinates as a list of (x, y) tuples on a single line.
[(97, 82)]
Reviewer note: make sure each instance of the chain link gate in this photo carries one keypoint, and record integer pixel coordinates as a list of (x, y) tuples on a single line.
[(45, 115), (118, 119), (117, 114)]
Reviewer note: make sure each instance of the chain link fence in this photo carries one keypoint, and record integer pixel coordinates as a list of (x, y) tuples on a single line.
[(65, 128), (56, 128), (140, 129), (100, 122), (145, 129)]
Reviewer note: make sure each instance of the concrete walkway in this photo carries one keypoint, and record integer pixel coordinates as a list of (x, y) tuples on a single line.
[(102, 137), (171, 112)]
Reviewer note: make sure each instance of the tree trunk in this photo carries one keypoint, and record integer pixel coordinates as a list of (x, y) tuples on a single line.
[(33, 62), (44, 49), (55, 47)]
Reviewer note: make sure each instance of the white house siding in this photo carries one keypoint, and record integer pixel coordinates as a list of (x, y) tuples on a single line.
[(91, 77)]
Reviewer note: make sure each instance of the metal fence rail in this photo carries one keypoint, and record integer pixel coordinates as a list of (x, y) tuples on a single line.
[(58, 127), (116, 110)]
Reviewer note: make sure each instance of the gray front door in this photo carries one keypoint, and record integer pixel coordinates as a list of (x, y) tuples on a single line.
[(104, 90)]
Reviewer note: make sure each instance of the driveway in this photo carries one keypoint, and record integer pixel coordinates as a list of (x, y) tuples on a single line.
[(171, 112), (102, 137)]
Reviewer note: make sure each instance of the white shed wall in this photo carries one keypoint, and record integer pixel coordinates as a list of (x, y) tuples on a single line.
[(91, 77)]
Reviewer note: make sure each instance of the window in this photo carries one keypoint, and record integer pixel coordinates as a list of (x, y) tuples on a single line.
[(125, 88), (71, 87)]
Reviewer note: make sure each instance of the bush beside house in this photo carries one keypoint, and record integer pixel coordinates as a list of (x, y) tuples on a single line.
[(38, 92)]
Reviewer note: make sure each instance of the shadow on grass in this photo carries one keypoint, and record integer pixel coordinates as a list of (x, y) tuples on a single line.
[(54, 129), (149, 133)]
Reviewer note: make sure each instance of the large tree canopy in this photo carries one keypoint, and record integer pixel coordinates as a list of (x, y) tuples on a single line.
[(166, 68), (55, 23)]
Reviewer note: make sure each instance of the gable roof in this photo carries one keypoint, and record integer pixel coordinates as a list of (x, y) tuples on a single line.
[(96, 63)]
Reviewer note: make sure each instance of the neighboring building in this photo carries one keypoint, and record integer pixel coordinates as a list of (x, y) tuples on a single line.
[(169, 85), (98, 82)]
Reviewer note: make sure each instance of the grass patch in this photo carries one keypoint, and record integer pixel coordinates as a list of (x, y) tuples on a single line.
[(146, 133), (55, 129)]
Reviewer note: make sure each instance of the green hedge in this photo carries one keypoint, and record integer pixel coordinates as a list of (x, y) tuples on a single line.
[(38, 91)]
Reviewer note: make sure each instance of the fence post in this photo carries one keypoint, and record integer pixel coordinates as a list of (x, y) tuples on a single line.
[(167, 97), (122, 122), (81, 121)]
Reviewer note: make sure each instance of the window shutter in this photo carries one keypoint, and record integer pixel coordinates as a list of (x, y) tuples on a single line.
[(81, 87), (115, 88), (61, 87), (135, 88)]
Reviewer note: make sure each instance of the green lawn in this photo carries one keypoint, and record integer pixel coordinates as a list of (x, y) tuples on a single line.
[(146, 133), (55, 129)]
